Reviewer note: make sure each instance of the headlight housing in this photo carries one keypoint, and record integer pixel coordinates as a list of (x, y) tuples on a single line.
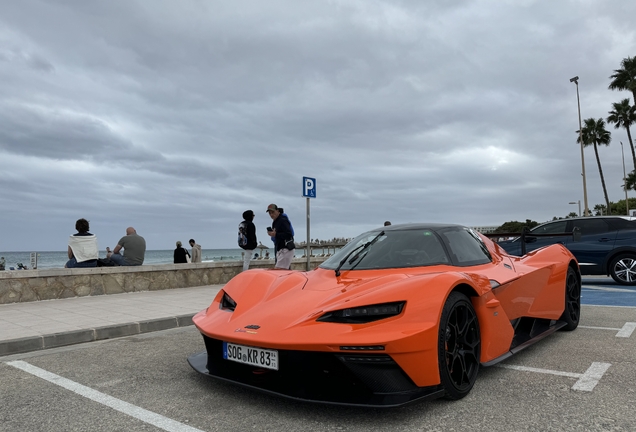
[(227, 303), (364, 314)]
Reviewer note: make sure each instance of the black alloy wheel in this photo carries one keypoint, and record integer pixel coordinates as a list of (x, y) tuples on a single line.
[(572, 311), (623, 269), (459, 346)]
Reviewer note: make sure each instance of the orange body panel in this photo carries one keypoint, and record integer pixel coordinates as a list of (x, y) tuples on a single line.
[(285, 304)]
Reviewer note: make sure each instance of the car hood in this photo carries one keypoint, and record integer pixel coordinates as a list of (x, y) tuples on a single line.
[(285, 302)]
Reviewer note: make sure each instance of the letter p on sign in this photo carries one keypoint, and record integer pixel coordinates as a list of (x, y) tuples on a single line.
[(309, 187)]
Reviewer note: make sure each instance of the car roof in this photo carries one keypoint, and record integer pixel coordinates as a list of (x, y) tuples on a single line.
[(417, 226), (606, 217), (629, 218)]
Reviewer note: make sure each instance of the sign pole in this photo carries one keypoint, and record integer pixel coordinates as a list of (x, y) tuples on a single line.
[(309, 191), (308, 239)]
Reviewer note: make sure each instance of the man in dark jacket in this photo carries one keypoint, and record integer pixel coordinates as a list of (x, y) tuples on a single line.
[(250, 233), (284, 238)]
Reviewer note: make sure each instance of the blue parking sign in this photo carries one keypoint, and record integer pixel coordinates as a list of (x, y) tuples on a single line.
[(309, 187)]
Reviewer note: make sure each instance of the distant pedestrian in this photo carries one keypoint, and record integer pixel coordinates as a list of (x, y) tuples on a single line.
[(282, 232), (247, 237), (134, 247), (82, 247), (108, 252), (181, 255), (387, 223), (282, 212), (2, 263), (196, 251)]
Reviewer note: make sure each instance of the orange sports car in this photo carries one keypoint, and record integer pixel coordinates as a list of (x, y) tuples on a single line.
[(401, 313)]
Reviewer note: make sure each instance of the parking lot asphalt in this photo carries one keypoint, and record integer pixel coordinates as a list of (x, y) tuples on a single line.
[(33, 326), (571, 381)]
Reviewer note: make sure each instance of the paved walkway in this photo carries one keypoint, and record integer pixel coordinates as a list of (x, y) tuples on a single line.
[(46, 324)]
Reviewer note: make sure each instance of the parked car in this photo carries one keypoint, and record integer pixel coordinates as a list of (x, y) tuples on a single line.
[(401, 313), (607, 244)]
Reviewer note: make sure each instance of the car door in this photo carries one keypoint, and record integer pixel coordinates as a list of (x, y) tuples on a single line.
[(597, 240)]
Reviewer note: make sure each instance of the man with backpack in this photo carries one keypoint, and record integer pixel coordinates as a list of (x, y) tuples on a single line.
[(247, 237)]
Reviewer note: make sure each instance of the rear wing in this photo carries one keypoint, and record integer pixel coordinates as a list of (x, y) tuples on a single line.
[(525, 234)]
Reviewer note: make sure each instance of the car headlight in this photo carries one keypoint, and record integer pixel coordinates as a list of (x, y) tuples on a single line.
[(363, 314), (227, 303)]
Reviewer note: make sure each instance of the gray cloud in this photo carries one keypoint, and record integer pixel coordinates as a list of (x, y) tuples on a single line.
[(176, 117)]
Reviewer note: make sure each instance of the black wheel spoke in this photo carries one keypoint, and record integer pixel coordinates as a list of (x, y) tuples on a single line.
[(573, 298), (572, 311), (462, 346)]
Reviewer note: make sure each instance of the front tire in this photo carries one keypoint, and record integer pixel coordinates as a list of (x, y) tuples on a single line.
[(623, 269), (572, 311), (459, 346)]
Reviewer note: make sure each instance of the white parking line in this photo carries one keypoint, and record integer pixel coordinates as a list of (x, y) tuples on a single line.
[(124, 407), (591, 377), (545, 371), (586, 381), (599, 288), (626, 331)]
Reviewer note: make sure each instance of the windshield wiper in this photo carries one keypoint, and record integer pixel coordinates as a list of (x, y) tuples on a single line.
[(361, 248)]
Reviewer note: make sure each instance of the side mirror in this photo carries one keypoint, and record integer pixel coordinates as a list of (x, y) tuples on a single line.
[(576, 234)]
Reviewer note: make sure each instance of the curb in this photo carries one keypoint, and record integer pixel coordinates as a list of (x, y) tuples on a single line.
[(55, 340)]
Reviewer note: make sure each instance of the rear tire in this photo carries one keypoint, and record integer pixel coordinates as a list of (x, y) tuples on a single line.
[(459, 346), (623, 269), (572, 311)]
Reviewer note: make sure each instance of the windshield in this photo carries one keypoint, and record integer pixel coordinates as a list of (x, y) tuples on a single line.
[(393, 249)]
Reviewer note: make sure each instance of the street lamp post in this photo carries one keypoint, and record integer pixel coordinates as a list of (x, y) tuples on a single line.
[(575, 202), (575, 80), (625, 180)]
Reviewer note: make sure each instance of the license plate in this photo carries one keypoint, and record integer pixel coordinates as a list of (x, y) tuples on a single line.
[(251, 355)]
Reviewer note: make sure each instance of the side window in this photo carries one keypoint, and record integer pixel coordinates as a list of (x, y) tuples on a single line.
[(621, 224), (467, 247), (551, 228), (592, 226)]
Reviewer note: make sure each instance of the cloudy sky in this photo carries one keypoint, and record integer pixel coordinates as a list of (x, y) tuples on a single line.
[(176, 116)]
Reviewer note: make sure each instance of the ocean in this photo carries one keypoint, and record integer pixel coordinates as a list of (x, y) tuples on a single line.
[(48, 260)]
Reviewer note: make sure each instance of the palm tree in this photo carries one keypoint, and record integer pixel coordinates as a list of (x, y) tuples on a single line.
[(625, 77), (624, 115), (630, 181), (600, 210), (594, 133)]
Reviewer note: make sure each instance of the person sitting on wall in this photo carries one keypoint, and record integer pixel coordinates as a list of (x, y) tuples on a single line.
[(196, 251), (181, 254), (82, 247), (134, 247)]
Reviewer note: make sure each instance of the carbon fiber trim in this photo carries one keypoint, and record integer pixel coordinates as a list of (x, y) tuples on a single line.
[(366, 379)]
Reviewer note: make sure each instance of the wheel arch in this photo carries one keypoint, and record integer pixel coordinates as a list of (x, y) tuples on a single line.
[(465, 289)]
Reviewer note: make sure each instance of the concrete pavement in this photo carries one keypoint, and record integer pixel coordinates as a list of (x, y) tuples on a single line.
[(37, 325)]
